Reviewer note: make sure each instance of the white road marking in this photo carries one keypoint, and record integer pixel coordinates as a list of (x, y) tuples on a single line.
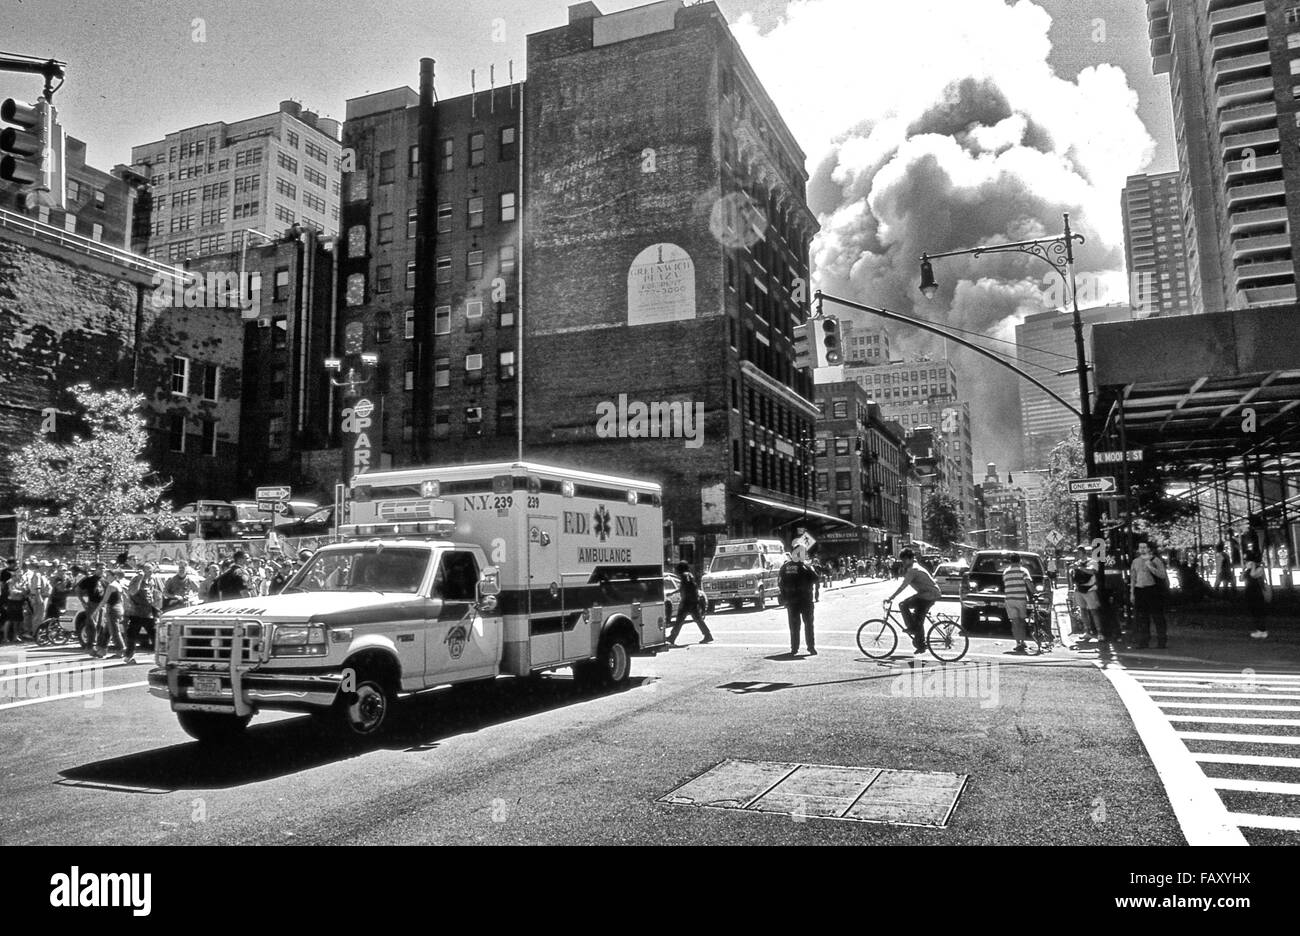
[(1230, 706), (1216, 720), (1239, 738), (1257, 760), (72, 695), (38, 661), (1191, 675), (1201, 815), (116, 664), (1256, 786), (1225, 695), (1251, 820)]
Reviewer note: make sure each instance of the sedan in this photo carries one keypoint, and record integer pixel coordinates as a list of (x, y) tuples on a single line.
[(947, 575)]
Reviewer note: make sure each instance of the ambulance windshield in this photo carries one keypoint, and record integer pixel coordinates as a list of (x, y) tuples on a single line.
[(363, 568), (735, 563)]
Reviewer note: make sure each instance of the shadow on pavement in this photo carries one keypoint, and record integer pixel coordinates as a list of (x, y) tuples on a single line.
[(292, 745)]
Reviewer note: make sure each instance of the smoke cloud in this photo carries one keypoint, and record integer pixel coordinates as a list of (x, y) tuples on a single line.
[(938, 125)]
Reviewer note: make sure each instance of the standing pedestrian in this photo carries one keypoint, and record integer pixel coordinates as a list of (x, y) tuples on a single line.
[(146, 604), (211, 572), (797, 582), (690, 604), (1257, 594), (181, 588), (35, 589), (1051, 570), (1087, 600), (111, 616), (1223, 575), (1017, 587), (925, 593), (1148, 579), (8, 618), (61, 585)]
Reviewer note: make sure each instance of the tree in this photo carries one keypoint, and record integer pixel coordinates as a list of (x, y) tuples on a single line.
[(1064, 463), (941, 519), (95, 490)]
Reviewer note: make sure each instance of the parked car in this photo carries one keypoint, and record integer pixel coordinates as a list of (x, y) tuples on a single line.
[(948, 576), (982, 598)]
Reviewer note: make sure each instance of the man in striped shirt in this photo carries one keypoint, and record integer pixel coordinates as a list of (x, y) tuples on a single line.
[(1017, 585)]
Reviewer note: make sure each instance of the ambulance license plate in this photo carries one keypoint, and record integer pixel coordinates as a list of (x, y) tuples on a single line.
[(205, 686)]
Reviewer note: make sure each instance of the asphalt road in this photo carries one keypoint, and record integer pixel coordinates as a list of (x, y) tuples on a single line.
[(1048, 747)]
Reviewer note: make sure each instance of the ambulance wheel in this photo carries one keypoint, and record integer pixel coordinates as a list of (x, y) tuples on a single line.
[(612, 666), (212, 727), (365, 712)]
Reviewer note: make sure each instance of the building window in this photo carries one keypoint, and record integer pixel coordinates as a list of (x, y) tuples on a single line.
[(287, 189), (506, 204), (413, 162), (443, 273), (385, 231), (278, 384), (384, 278), (442, 372), (409, 331), (408, 427), (843, 481), (446, 151), (281, 284), (412, 223), (444, 218), (506, 418), (410, 274), (442, 320), (292, 138), (473, 367), (282, 213), (474, 264), (506, 259), (275, 432), (387, 166), (441, 424), (383, 327), (507, 142), (181, 376), (73, 188), (505, 316), (473, 422), (476, 149), (287, 162), (505, 365), (357, 240), (176, 432), (211, 381), (474, 311), (839, 409), (356, 290), (96, 232), (408, 380), (314, 176), (841, 446), (474, 212)]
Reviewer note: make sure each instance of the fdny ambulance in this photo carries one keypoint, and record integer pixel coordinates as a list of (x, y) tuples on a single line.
[(744, 570), (442, 575)]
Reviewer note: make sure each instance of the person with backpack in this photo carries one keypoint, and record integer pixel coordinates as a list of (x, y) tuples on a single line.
[(690, 604), (797, 583)]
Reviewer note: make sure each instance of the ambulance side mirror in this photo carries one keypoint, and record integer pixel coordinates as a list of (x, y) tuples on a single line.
[(489, 587)]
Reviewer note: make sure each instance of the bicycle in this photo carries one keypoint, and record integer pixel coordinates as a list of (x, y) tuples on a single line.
[(51, 632), (1038, 626), (945, 638)]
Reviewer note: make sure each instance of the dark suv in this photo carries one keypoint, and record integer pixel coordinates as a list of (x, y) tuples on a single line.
[(981, 587)]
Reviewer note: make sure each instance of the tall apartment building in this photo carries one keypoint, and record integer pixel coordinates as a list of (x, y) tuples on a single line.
[(1154, 250), (211, 184), (924, 393), (621, 236), (1236, 95), (864, 345), (863, 472), (1006, 512), (1045, 347)]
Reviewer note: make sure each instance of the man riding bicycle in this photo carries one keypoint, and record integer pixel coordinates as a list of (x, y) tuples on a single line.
[(918, 605)]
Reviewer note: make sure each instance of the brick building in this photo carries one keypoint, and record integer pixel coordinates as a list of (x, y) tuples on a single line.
[(863, 473)]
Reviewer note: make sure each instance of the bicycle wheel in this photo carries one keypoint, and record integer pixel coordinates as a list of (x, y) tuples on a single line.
[(1041, 631), (946, 640), (43, 636), (877, 638)]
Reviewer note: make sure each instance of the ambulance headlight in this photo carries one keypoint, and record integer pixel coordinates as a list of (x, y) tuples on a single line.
[(295, 641), (162, 631)]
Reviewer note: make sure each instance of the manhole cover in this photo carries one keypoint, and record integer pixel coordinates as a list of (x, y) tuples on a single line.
[(862, 794)]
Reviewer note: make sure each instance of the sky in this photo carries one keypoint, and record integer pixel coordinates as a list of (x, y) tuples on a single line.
[(929, 125)]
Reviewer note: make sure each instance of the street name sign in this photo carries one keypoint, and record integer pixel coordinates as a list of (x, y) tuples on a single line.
[(1104, 485), (1115, 458)]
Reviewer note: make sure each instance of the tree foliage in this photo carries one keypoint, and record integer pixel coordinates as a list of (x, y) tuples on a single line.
[(1064, 463), (94, 490), (941, 516)]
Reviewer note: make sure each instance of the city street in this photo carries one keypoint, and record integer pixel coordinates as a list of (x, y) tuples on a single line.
[(1048, 746)]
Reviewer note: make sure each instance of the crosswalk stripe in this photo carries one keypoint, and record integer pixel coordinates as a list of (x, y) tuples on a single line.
[(1226, 695), (72, 695), (1239, 738), (1188, 675), (1217, 720), (1230, 706), (1256, 786), (1253, 821), (1256, 760)]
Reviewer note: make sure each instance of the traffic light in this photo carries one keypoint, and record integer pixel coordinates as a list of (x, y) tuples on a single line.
[(828, 343), (33, 150), (803, 349)]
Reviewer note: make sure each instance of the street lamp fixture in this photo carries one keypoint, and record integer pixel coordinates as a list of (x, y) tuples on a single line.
[(1059, 253)]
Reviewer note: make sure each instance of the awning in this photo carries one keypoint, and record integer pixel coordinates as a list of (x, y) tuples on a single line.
[(798, 511)]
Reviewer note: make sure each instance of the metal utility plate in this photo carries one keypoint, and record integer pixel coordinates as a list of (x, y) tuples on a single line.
[(862, 794)]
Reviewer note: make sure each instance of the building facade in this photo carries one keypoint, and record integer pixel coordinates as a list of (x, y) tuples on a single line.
[(1044, 347), (863, 472), (1154, 248), (1233, 80), (211, 184), (1006, 513)]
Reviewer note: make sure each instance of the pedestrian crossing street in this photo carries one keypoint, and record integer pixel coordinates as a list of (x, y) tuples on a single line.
[(1242, 732)]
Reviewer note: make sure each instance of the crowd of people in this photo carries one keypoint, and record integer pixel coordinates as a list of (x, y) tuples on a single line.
[(123, 600)]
